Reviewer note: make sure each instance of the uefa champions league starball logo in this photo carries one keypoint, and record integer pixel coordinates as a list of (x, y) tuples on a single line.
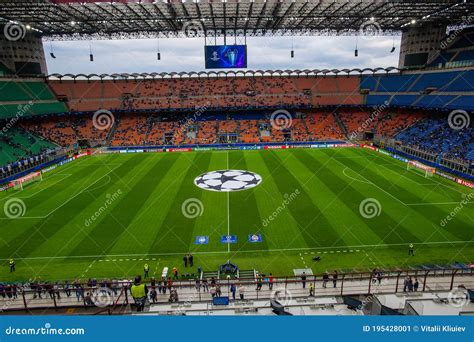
[(255, 237), (228, 180)]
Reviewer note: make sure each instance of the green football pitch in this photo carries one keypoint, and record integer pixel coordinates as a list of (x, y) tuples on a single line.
[(107, 215)]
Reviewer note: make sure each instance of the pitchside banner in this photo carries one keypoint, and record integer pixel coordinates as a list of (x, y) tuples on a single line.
[(270, 328)]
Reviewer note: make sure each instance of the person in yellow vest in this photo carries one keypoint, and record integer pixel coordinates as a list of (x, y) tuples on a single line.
[(410, 250), (146, 268), (12, 265), (139, 293)]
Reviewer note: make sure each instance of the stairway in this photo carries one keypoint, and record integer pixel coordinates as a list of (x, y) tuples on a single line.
[(111, 132), (341, 124), (246, 274), (210, 274)]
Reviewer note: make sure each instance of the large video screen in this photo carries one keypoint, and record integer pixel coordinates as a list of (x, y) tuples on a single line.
[(225, 56)]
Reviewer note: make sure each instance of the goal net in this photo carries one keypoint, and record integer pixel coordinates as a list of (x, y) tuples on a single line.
[(427, 170), (20, 183)]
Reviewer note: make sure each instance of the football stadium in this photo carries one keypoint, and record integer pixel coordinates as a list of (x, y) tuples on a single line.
[(231, 190)]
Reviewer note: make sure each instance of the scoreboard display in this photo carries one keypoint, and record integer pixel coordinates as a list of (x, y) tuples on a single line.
[(225, 56)]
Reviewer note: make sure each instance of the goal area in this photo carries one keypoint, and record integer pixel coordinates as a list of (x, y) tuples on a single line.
[(427, 170), (20, 183)]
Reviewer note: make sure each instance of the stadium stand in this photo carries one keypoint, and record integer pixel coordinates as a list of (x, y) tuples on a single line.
[(434, 135), (140, 106), (16, 144)]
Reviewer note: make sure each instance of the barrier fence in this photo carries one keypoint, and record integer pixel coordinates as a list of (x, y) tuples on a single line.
[(111, 297)]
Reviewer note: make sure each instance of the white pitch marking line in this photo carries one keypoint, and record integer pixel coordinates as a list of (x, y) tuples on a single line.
[(248, 251), (372, 183), (441, 203), (64, 203), (228, 210)]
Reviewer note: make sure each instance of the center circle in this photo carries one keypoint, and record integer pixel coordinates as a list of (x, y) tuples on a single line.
[(227, 180)]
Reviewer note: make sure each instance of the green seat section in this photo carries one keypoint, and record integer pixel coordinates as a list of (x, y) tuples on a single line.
[(12, 91), (39, 90), (16, 143), (23, 110)]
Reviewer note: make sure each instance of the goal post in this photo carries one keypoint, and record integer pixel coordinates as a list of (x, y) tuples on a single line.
[(427, 170), (19, 183)]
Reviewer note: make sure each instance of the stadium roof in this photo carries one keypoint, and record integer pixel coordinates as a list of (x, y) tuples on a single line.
[(225, 74), (86, 19)]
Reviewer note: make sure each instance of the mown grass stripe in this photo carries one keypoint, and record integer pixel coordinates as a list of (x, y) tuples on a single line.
[(316, 232), (43, 230), (384, 226), (342, 199), (413, 194), (245, 202), (176, 231), (128, 205)]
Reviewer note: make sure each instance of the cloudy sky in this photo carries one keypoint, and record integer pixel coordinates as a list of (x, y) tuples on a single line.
[(129, 56)]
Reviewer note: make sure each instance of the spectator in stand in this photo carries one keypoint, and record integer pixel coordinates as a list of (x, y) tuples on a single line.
[(233, 290), (161, 286), (57, 289), (303, 280), (146, 268), (410, 284), (311, 290), (139, 293), (185, 260), (153, 295), (259, 282), (67, 288), (325, 279), (175, 273), (88, 299), (334, 278), (173, 296), (205, 285), (191, 260), (405, 284), (270, 281), (416, 285), (79, 290)]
